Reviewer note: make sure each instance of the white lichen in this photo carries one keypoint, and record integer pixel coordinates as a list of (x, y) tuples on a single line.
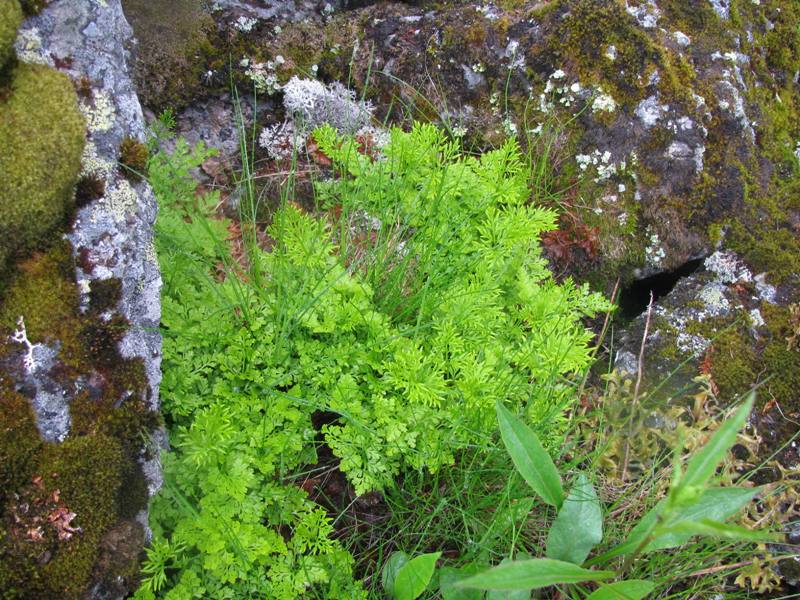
[(29, 47), (654, 252), (281, 141), (650, 111), (122, 199), (100, 113), (20, 336), (311, 103), (93, 165), (603, 102), (681, 39), (727, 268), (646, 14), (245, 24)]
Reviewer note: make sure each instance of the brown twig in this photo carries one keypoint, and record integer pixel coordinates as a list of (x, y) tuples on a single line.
[(746, 563)]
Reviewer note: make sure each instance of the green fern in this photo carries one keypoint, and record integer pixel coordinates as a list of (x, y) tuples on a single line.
[(409, 317)]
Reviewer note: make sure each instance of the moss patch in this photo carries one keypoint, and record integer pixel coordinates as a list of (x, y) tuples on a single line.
[(133, 158), (19, 440), (174, 50), (10, 20), (42, 136), (55, 524), (94, 473)]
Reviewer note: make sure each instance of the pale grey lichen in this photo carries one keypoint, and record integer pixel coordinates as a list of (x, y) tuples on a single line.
[(727, 267), (650, 111), (646, 14), (312, 103), (100, 114), (122, 199), (29, 47), (712, 295)]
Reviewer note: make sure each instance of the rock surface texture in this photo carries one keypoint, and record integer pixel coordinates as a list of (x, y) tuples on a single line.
[(79, 357)]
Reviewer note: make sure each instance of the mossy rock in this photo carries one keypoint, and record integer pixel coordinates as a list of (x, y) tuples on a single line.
[(19, 440), (10, 20), (80, 476), (42, 134)]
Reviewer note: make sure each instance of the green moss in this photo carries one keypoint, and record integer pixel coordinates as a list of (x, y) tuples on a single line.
[(42, 136), (34, 7), (80, 476), (133, 157), (19, 440), (44, 294), (10, 20), (733, 363), (586, 32), (782, 40), (781, 361), (175, 51)]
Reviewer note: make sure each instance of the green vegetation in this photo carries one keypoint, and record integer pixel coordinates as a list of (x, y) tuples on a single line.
[(94, 473), (42, 136), (400, 337), (10, 20), (333, 382)]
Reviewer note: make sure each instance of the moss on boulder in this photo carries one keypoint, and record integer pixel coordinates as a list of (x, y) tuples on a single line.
[(10, 20), (42, 134)]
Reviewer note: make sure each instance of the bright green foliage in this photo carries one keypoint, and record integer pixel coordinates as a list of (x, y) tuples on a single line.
[(579, 525), (533, 574), (531, 460), (692, 508), (225, 524), (10, 20), (42, 136), (414, 576), (455, 308), (409, 333)]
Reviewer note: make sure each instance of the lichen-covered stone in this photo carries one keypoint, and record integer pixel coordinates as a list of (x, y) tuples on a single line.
[(79, 342), (42, 135), (10, 20)]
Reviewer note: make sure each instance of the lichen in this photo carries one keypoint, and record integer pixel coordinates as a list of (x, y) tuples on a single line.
[(100, 112), (122, 199)]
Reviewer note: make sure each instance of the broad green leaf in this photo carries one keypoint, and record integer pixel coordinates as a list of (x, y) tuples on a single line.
[(633, 589), (579, 525), (715, 529), (714, 503), (529, 457), (449, 576), (390, 570), (414, 576), (509, 594), (532, 574), (704, 464)]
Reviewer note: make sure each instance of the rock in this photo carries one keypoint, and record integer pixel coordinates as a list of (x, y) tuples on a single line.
[(682, 102), (80, 320)]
